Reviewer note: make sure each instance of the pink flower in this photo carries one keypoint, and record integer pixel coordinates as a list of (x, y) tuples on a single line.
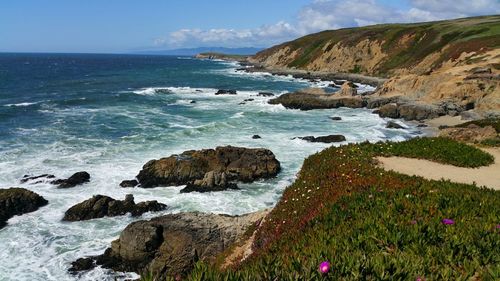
[(324, 267), (420, 278), (448, 221), (413, 222)]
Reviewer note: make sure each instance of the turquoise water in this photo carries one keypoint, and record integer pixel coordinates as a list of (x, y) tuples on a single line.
[(110, 114)]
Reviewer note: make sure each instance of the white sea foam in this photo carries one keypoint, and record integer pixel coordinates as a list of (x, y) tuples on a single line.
[(20, 104)]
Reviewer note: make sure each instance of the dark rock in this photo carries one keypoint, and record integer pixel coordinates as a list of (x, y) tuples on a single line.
[(28, 178), (249, 100), (333, 85), (74, 180), (18, 201), (82, 264), (129, 183), (394, 125), (442, 127), (226, 92), (418, 112), (334, 118), (212, 181), (305, 101), (193, 101), (376, 111), (422, 125), (170, 245), (103, 206), (256, 137), (389, 110), (265, 94), (324, 139), (240, 164)]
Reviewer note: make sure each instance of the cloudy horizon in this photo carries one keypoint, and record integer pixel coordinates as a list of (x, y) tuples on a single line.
[(121, 26)]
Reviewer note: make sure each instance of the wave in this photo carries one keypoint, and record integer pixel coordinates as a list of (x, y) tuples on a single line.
[(20, 104)]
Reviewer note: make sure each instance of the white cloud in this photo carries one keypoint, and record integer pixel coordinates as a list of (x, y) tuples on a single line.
[(330, 14)]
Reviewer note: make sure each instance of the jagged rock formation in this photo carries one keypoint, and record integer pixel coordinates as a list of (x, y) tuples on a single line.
[(236, 163), (101, 206), (170, 245)]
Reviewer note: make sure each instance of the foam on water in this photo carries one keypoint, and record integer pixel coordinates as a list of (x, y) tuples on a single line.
[(113, 140)]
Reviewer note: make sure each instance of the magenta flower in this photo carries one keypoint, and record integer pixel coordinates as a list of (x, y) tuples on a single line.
[(413, 222), (420, 279), (498, 226), (324, 267), (448, 221)]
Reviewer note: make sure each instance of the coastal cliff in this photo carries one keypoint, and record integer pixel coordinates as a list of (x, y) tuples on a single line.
[(455, 60)]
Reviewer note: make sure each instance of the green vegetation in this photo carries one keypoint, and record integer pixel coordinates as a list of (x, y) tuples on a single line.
[(405, 44), (376, 225)]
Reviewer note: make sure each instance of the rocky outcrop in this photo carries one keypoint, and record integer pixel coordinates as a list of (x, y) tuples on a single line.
[(212, 181), (324, 139), (238, 163), (103, 206), (18, 201), (410, 111), (226, 92), (348, 89), (76, 179), (307, 101), (170, 245), (471, 133)]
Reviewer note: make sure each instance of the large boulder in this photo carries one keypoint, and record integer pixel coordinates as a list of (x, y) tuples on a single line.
[(170, 245), (18, 201), (103, 206), (239, 164), (76, 179)]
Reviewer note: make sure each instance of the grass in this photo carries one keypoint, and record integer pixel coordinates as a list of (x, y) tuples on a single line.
[(376, 225)]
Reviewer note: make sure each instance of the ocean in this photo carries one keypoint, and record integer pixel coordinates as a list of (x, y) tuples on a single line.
[(109, 114)]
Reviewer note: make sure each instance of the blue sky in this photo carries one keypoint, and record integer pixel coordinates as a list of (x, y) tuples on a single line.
[(129, 25)]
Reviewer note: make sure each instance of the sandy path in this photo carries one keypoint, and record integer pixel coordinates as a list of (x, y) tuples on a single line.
[(485, 176)]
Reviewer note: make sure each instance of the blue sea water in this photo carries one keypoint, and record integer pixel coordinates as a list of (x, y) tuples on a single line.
[(110, 114)]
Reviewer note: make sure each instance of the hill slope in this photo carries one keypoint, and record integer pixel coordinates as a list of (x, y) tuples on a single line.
[(457, 60)]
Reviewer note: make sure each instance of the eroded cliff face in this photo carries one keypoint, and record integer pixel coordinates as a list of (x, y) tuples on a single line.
[(473, 85), (451, 61)]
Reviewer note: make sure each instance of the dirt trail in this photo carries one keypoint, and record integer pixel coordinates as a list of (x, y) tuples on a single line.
[(484, 176)]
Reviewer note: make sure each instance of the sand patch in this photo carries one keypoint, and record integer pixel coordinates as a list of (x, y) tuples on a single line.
[(484, 176)]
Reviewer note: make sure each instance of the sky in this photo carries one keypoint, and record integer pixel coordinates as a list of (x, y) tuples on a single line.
[(119, 26)]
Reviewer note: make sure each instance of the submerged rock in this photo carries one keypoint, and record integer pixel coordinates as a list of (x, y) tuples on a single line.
[(18, 201), (335, 118), (226, 92), (170, 245), (239, 164), (256, 137), (36, 179), (324, 139), (103, 206), (76, 179), (265, 94)]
